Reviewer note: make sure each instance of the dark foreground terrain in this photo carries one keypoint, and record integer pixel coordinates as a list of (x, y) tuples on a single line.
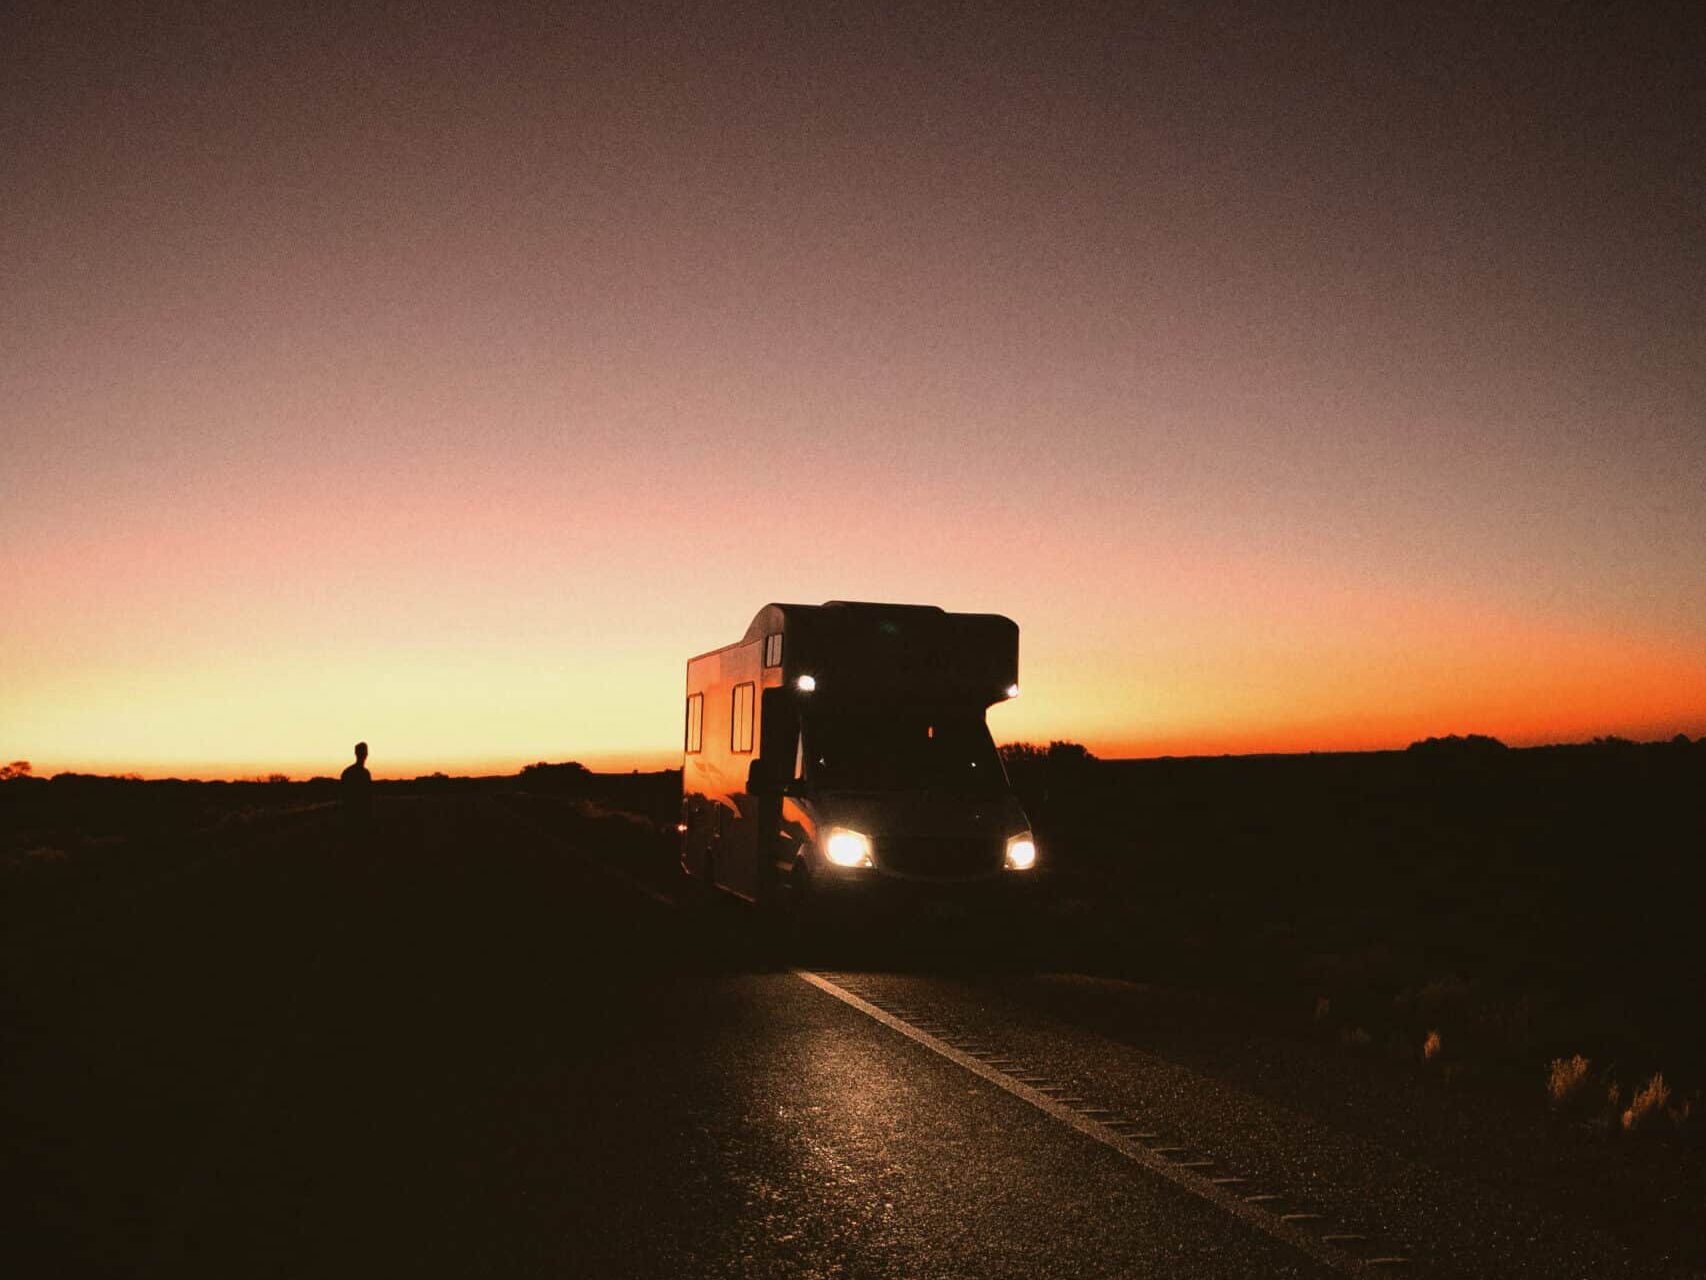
[(1523, 904), (498, 1038)]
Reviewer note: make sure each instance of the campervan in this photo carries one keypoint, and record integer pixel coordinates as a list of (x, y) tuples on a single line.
[(840, 751)]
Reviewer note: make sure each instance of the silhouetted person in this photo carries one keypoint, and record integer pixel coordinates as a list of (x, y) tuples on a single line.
[(355, 792)]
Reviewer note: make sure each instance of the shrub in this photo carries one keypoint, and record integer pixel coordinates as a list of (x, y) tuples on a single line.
[(1431, 1047), (1566, 1079), (1057, 752), (1451, 743), (570, 776), (1647, 1105)]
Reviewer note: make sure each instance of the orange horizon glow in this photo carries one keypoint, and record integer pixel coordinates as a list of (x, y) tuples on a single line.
[(1586, 686), (1315, 663)]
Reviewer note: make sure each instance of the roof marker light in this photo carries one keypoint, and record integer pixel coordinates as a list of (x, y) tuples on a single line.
[(805, 684)]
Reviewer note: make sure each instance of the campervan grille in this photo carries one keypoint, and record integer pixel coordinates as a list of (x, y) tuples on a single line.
[(940, 856)]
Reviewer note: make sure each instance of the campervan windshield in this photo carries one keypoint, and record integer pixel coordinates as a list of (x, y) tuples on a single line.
[(902, 751)]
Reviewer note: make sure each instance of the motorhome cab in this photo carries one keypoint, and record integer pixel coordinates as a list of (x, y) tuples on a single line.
[(841, 749)]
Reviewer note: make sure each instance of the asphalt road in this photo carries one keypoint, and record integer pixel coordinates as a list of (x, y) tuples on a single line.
[(463, 1050)]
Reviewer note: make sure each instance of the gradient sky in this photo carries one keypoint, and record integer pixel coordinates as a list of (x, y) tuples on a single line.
[(1298, 377)]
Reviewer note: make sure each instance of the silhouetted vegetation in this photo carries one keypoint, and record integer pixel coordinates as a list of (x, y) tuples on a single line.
[(1058, 754), (570, 775), (1467, 744), (1515, 907)]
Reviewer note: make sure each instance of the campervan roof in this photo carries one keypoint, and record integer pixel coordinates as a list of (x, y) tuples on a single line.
[(864, 651)]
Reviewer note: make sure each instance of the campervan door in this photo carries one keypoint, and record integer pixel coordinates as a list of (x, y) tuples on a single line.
[(720, 845)]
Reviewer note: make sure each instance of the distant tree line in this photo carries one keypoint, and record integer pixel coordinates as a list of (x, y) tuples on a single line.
[(1454, 744), (1057, 753), (1480, 743), (569, 776)]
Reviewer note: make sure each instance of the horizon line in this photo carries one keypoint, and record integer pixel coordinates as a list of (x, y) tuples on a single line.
[(623, 763)]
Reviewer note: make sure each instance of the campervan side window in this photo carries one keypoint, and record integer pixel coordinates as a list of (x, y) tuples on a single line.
[(773, 650), (740, 720), (695, 723)]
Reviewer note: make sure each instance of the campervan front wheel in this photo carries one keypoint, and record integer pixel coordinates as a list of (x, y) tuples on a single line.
[(801, 911), (794, 890)]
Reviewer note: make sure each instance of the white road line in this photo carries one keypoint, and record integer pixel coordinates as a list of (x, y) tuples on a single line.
[(1203, 1188)]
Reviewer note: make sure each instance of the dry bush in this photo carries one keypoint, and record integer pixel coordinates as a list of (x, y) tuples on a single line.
[(1647, 1105), (1566, 1080), (1431, 1047), (1355, 1038), (1323, 1007)]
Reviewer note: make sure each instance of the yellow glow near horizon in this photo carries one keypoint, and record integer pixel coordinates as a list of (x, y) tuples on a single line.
[(1320, 684)]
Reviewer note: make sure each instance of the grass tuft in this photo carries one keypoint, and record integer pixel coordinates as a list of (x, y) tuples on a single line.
[(1647, 1105), (1567, 1079)]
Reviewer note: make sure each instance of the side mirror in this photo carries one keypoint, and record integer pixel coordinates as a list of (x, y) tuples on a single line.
[(761, 776)]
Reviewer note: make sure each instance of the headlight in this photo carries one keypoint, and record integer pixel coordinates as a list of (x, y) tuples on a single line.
[(1021, 852), (847, 848)]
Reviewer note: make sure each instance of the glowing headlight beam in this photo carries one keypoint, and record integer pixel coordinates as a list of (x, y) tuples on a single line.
[(805, 684), (1021, 852), (846, 848)]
